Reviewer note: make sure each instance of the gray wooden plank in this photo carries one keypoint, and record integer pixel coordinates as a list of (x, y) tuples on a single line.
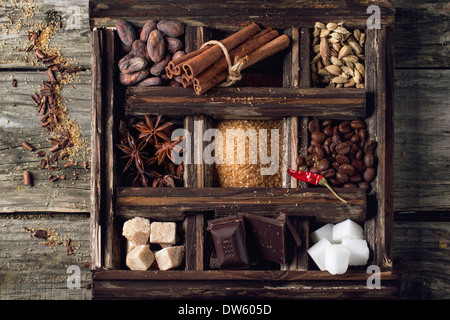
[(422, 34), (421, 256), (72, 38), (19, 121), (37, 269), (422, 173)]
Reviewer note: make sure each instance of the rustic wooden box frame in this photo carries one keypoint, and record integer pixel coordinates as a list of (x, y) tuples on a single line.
[(295, 103)]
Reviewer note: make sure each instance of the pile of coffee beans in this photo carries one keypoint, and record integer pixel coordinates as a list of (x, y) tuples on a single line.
[(342, 152)]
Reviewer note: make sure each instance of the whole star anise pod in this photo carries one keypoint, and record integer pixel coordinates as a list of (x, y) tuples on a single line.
[(134, 153), (152, 131), (164, 151)]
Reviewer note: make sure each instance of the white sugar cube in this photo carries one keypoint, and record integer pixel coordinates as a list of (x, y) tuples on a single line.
[(317, 252), (163, 233), (359, 251), (137, 230), (140, 258), (336, 258), (170, 257), (347, 229), (325, 231)]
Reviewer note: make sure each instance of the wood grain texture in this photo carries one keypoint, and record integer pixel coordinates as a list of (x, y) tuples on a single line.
[(247, 103), (422, 173), (19, 121), (72, 38), (235, 14), (35, 269)]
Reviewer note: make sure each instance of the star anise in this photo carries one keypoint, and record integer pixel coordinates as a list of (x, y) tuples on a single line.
[(134, 153), (152, 131), (164, 151)]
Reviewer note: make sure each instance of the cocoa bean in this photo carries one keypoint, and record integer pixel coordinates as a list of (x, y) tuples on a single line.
[(129, 79), (148, 27), (139, 48), (126, 57), (171, 28), (156, 46), (132, 65), (174, 44), (125, 32), (149, 82), (178, 54), (157, 68)]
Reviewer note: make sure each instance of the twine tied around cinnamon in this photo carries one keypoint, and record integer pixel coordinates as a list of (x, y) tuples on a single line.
[(234, 70)]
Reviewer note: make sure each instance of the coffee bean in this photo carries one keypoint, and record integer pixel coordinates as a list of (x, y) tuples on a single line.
[(364, 185), (342, 177), (370, 146), (357, 124), (342, 158), (314, 170), (347, 169), (324, 164), (318, 152), (354, 138), (369, 160), (326, 123), (349, 185), (328, 131), (327, 142), (369, 174), (358, 165), (328, 173), (363, 135), (318, 136), (343, 148), (359, 154), (300, 161), (344, 127), (356, 178), (313, 126)]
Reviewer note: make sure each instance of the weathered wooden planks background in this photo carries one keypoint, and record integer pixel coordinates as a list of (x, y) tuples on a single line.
[(29, 269)]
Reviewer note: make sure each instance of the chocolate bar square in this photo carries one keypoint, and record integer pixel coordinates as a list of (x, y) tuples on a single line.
[(229, 242), (266, 237)]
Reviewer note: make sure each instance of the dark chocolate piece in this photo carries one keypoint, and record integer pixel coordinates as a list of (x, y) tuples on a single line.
[(266, 237), (229, 242)]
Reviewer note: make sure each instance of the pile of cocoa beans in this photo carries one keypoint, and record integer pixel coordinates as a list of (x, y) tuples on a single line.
[(146, 56), (342, 152)]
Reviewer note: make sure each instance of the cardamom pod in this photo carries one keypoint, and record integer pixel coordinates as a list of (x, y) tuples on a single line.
[(357, 34), (331, 26), (324, 33), (360, 67), (350, 58), (341, 30), (345, 50), (320, 25), (347, 70), (335, 61), (355, 47), (339, 79), (350, 83), (357, 77), (324, 49), (333, 69)]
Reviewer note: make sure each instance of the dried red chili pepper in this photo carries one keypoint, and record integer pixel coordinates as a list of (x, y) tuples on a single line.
[(313, 178)]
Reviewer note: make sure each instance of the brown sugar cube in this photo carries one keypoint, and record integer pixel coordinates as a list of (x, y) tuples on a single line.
[(170, 257), (130, 246), (140, 258), (163, 233), (137, 230)]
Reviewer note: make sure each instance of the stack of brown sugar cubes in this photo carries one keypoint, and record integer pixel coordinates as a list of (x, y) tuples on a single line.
[(140, 233)]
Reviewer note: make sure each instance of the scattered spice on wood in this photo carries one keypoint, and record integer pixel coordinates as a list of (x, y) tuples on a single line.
[(27, 146), (69, 247), (27, 178), (52, 178), (14, 82), (40, 153), (41, 234)]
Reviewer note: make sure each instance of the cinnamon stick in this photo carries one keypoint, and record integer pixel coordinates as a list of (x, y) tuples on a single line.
[(267, 50), (214, 74), (194, 66), (173, 68)]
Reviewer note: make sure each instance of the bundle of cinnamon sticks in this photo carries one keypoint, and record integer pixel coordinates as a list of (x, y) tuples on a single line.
[(207, 67)]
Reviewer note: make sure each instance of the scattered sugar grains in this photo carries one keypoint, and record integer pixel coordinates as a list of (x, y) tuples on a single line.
[(170, 257), (140, 258), (137, 230), (337, 246)]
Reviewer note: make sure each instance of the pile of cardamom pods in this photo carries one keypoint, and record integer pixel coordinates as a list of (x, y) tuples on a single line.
[(337, 56)]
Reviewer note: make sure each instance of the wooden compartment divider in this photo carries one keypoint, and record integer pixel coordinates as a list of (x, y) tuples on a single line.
[(295, 103)]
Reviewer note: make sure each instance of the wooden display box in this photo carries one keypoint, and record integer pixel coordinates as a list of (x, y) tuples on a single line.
[(294, 102)]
